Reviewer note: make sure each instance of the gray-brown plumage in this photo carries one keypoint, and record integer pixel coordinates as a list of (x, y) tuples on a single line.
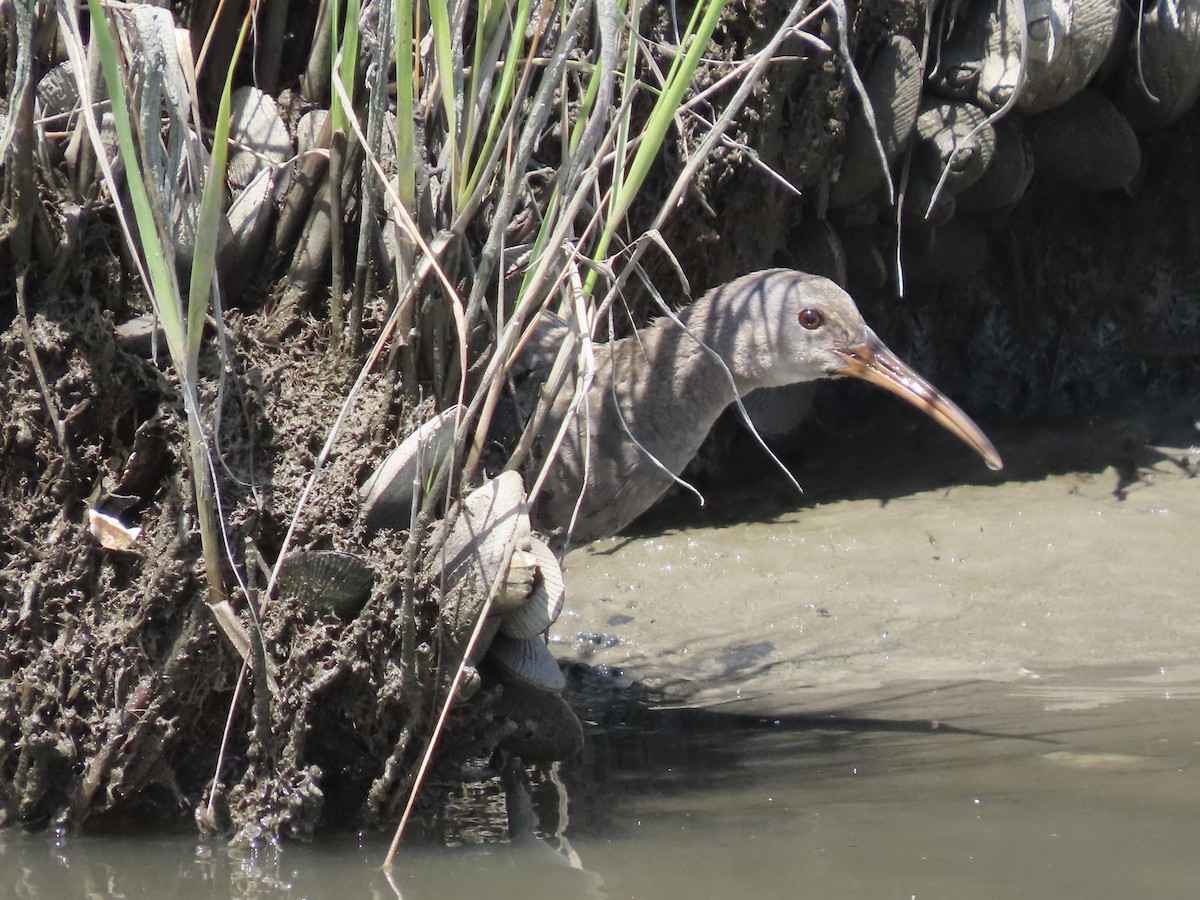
[(665, 387)]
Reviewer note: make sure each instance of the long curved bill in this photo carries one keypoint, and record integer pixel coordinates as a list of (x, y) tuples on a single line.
[(872, 361)]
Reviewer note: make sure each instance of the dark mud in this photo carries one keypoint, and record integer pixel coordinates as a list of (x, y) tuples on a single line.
[(116, 685)]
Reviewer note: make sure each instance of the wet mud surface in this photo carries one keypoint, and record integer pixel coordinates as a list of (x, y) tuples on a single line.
[(906, 561)]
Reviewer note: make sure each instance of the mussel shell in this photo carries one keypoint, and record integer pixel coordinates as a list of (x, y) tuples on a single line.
[(249, 215), (956, 135), (1085, 143), (57, 94), (979, 59), (528, 661), (258, 131), (308, 129), (1068, 42), (387, 494), (476, 553), (327, 580), (546, 601), (493, 517), (1159, 79), (1008, 177), (547, 728), (816, 248), (893, 85)]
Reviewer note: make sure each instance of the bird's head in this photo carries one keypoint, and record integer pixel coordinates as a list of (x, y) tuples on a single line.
[(806, 328)]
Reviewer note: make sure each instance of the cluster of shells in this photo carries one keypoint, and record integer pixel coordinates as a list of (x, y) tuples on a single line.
[(1005, 89), (277, 147), (501, 586)]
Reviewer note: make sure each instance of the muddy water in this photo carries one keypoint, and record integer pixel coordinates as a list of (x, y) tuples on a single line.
[(1084, 551), (948, 685)]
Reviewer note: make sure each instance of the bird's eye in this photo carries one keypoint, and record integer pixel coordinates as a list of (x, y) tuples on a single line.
[(810, 318)]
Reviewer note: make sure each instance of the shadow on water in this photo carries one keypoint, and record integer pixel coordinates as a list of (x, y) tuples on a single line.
[(637, 745), (898, 453), (1016, 792)]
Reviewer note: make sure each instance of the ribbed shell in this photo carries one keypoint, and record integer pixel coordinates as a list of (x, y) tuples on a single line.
[(546, 601), (1168, 67), (249, 215), (816, 248), (256, 127), (308, 129), (1068, 41), (893, 85), (1008, 177), (387, 494), (57, 94), (529, 661), (478, 548), (1085, 143), (547, 729), (979, 57), (327, 580), (955, 135)]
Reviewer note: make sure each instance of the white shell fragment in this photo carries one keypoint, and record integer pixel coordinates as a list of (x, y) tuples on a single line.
[(111, 532), (327, 580), (545, 603), (257, 129), (529, 661), (387, 495)]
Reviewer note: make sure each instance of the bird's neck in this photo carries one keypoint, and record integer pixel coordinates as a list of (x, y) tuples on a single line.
[(673, 383), (714, 348)]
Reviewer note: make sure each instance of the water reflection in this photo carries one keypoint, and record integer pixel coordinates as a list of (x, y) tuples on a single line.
[(1008, 793)]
